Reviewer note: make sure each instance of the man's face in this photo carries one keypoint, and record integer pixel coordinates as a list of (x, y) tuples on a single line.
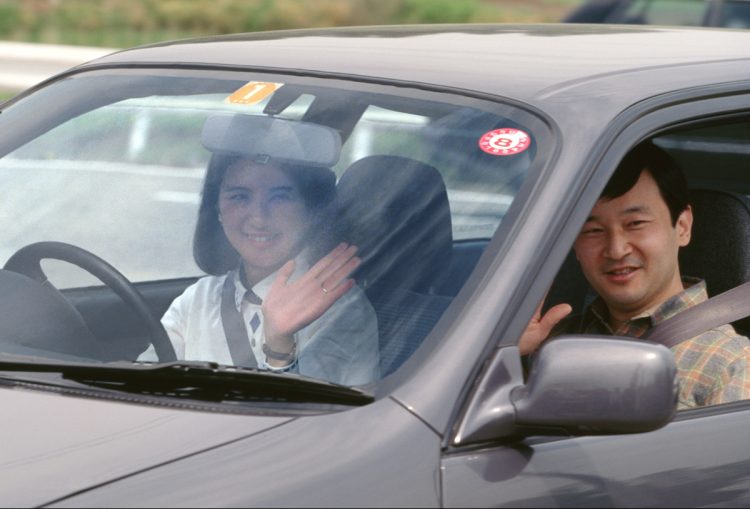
[(628, 249)]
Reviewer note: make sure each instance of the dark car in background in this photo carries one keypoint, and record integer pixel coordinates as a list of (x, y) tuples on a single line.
[(711, 13), (467, 158)]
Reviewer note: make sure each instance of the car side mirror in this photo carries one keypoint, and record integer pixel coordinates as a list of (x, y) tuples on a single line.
[(576, 386)]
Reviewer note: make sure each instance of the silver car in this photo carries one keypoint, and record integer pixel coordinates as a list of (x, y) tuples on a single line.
[(466, 159)]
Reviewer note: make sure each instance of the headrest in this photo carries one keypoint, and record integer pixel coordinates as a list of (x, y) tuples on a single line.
[(719, 250), (396, 211)]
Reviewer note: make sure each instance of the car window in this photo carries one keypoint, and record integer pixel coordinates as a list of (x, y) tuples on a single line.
[(713, 157), (120, 167), (662, 12), (735, 14), (144, 158)]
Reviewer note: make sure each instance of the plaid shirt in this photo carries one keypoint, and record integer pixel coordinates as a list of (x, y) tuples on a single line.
[(713, 367)]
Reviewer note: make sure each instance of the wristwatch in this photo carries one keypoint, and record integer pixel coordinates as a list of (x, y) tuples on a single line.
[(280, 356)]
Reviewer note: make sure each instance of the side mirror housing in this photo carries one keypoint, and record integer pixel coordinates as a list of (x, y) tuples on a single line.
[(576, 386)]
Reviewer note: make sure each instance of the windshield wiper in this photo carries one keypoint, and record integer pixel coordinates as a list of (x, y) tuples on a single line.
[(205, 381)]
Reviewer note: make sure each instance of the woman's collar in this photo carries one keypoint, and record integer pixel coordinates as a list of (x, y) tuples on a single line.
[(262, 287)]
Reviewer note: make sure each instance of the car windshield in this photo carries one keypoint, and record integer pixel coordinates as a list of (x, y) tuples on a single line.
[(198, 188)]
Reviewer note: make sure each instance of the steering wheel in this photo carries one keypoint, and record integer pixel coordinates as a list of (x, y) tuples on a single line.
[(27, 261)]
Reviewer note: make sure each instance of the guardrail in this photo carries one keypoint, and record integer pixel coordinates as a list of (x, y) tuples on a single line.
[(23, 65)]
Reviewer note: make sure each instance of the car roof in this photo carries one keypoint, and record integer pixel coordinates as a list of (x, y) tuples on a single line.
[(541, 64)]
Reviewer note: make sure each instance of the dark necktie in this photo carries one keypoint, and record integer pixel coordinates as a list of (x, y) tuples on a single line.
[(255, 321)]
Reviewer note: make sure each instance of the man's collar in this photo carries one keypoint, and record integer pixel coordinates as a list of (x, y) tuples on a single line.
[(694, 293)]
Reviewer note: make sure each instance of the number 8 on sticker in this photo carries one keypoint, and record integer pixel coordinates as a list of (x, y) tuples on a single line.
[(505, 142)]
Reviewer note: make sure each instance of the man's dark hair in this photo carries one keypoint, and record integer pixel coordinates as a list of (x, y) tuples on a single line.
[(669, 178)]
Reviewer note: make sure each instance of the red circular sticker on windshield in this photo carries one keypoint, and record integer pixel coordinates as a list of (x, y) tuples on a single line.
[(505, 142)]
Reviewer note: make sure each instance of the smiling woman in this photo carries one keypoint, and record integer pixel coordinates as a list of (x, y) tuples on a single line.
[(261, 233)]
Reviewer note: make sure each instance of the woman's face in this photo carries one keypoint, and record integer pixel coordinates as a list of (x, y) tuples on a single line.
[(263, 216)]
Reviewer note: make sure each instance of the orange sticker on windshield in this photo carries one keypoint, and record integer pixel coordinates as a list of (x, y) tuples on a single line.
[(505, 142), (253, 92)]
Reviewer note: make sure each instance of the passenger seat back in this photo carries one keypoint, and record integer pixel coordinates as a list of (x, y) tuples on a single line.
[(719, 250), (396, 211)]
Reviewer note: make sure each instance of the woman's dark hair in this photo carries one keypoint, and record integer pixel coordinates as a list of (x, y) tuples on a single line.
[(669, 178), (211, 249)]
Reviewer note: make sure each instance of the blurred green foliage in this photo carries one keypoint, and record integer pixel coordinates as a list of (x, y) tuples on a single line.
[(124, 23)]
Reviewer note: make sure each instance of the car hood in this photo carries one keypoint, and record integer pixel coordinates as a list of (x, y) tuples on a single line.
[(55, 445)]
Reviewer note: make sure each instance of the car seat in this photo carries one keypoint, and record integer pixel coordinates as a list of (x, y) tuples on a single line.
[(719, 252), (396, 211)]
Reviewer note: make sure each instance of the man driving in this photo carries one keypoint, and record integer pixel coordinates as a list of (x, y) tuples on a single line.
[(628, 251)]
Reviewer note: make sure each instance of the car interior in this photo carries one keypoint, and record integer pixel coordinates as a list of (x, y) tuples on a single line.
[(413, 263), (416, 255)]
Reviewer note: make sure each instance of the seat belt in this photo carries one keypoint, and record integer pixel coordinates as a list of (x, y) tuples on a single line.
[(719, 310), (234, 327)]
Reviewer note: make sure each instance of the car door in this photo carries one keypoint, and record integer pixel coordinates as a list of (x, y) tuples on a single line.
[(701, 458)]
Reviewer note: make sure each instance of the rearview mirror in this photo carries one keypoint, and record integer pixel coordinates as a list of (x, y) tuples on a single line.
[(576, 386), (257, 136)]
